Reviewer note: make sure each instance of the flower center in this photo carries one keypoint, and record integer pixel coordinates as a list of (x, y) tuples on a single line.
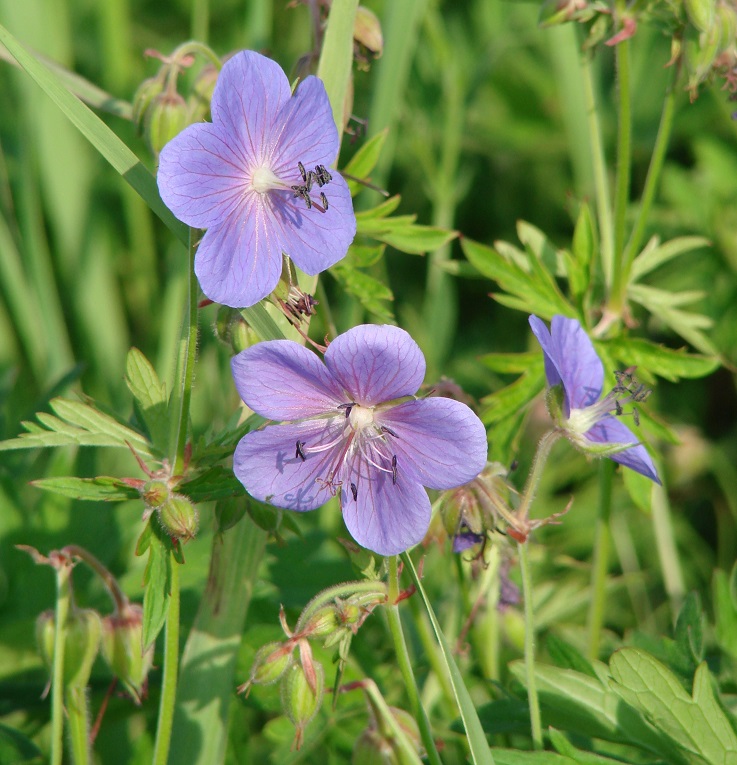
[(264, 180), (361, 417)]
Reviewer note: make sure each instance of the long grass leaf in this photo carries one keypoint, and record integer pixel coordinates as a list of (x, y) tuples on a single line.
[(480, 752)]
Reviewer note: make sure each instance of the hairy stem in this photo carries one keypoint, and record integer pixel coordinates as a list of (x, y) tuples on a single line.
[(602, 544), (532, 700), (405, 664)]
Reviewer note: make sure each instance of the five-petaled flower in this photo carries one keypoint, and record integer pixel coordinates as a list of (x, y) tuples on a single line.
[(352, 426), (587, 420), (257, 179)]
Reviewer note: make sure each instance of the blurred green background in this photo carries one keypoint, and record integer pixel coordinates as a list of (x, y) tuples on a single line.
[(487, 127)]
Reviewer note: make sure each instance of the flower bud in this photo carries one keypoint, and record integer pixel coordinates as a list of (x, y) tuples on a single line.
[(166, 117), (122, 649), (367, 31), (701, 13), (233, 330), (178, 517), (270, 663), (201, 96), (299, 701), (143, 98), (155, 493), (83, 631), (372, 749)]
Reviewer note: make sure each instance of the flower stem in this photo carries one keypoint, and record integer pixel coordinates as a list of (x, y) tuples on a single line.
[(78, 724), (653, 175), (533, 479), (171, 667), (601, 559), (110, 582), (186, 358), (405, 665), (622, 190), (532, 700), (63, 599), (601, 184)]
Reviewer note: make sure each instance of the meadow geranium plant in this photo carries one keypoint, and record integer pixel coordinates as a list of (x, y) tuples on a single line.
[(257, 179), (589, 421), (352, 426)]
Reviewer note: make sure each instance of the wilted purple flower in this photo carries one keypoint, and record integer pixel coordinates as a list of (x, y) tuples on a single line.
[(572, 363), (257, 179), (354, 427)]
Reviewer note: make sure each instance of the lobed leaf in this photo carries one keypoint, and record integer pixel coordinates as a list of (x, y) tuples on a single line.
[(364, 161), (696, 723), (149, 394), (655, 254), (665, 362), (102, 488)]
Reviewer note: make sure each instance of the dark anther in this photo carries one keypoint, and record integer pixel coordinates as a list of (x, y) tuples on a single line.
[(384, 429), (302, 172), (513, 466), (300, 451), (618, 408), (322, 176), (347, 408), (394, 469), (324, 201), (354, 491), (636, 416)]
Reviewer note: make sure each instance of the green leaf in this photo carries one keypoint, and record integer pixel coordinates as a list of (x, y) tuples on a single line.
[(16, 748), (509, 363), (262, 324), (689, 631), (215, 483), (364, 161), (568, 657), (697, 723), (725, 612), (531, 292), (582, 704), (511, 399), (149, 394), (564, 747), (77, 424), (157, 588), (639, 488), (517, 757), (364, 256), (97, 133), (578, 262), (380, 211), (100, 489), (665, 362), (370, 292), (480, 752), (404, 234), (655, 254)]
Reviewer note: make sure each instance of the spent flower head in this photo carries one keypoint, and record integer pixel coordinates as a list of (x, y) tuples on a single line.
[(352, 426), (591, 423), (257, 179)]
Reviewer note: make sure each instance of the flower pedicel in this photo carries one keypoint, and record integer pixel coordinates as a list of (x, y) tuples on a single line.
[(257, 179), (352, 426)]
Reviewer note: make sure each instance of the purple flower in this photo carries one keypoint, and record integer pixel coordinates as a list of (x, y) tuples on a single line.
[(354, 428), (257, 179), (572, 363)]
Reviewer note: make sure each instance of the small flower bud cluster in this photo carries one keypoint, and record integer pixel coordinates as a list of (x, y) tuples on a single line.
[(333, 617), (122, 649), (175, 513), (159, 111)]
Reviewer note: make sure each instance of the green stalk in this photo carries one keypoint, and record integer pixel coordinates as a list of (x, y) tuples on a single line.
[(336, 56), (186, 358), (171, 667), (653, 175), (200, 20), (617, 294), (78, 724), (63, 601), (601, 559), (532, 700), (536, 471), (601, 182), (405, 664), (667, 549)]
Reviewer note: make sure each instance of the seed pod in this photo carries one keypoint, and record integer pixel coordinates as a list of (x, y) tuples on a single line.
[(178, 517), (122, 649), (367, 31), (143, 98), (166, 117), (701, 13), (299, 701), (155, 493), (271, 661), (80, 647)]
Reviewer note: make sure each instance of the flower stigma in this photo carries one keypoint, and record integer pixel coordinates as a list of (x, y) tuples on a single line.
[(264, 180), (361, 417)]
